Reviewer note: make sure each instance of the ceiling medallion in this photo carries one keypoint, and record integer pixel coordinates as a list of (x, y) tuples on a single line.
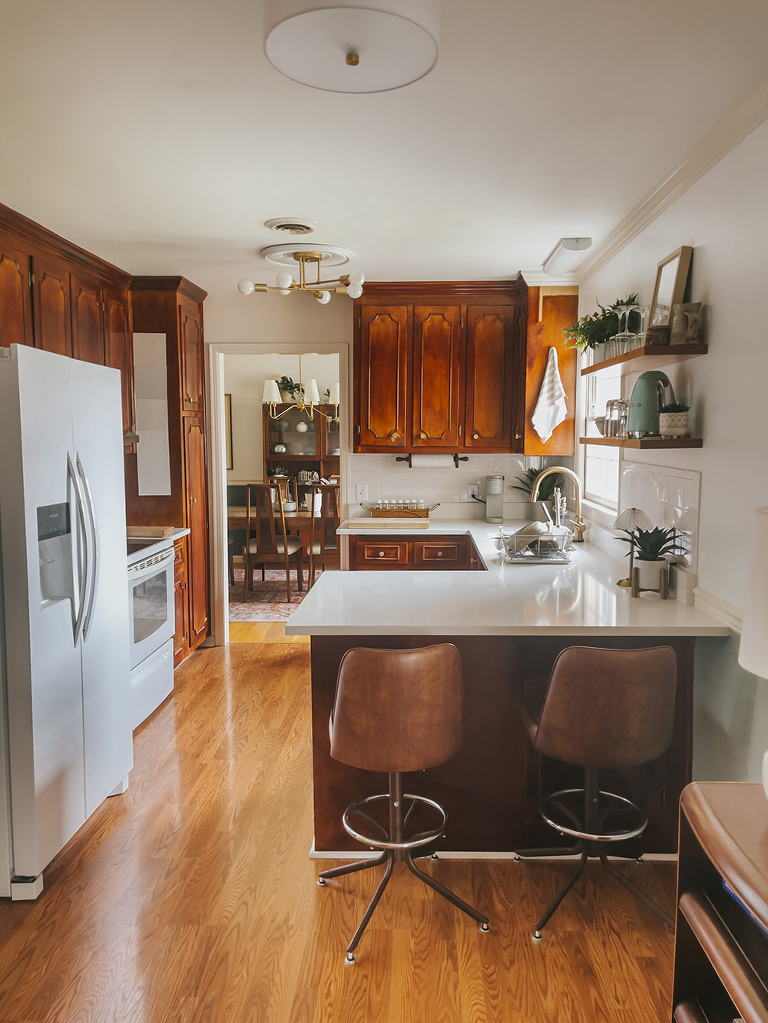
[(307, 256), (353, 46)]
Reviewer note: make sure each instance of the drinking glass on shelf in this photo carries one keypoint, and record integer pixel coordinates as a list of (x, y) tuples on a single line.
[(625, 338), (642, 323)]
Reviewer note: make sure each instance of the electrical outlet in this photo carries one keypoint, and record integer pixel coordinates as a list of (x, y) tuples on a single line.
[(473, 490), (361, 492)]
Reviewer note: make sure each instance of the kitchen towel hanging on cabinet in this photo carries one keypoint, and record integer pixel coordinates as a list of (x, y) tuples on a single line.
[(550, 409)]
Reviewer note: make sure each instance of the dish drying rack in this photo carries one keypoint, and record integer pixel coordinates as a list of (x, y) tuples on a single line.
[(407, 512), (543, 548)]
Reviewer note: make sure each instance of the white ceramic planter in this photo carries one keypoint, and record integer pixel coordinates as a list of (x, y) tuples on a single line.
[(673, 424)]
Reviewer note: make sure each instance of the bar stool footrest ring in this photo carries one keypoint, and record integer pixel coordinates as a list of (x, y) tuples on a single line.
[(608, 802), (423, 838)]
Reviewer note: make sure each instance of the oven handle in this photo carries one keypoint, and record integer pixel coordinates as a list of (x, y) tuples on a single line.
[(82, 575), (94, 550)]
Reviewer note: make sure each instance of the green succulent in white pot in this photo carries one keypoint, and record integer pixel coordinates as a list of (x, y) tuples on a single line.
[(652, 548)]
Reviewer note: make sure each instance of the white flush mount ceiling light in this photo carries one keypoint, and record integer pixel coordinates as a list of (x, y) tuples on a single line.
[(565, 255), (352, 45), (307, 257)]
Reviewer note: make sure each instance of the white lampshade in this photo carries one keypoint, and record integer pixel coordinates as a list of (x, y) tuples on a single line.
[(312, 396), (631, 519), (335, 398), (753, 649), (271, 393), (352, 45), (565, 255)]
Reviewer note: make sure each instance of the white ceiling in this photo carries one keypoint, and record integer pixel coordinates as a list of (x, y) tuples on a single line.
[(157, 135)]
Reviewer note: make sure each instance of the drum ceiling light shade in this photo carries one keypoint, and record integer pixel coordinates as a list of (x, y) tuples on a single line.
[(352, 45)]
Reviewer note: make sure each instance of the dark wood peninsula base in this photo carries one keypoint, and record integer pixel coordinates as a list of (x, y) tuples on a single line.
[(491, 789)]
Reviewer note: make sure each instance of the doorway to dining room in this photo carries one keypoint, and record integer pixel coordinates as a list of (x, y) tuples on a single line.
[(281, 444)]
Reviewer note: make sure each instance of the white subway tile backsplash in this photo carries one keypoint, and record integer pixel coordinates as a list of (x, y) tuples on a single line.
[(665, 494)]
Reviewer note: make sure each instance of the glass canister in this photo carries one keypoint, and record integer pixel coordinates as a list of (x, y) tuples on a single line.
[(616, 412)]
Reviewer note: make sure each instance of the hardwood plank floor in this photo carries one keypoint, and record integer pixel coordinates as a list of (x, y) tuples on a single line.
[(192, 899)]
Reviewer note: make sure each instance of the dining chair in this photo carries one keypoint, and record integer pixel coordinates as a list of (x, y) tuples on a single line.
[(323, 541), (266, 540)]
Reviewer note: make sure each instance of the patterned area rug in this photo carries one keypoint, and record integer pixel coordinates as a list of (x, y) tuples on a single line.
[(267, 601)]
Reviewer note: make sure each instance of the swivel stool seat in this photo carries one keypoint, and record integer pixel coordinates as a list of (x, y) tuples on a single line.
[(397, 711), (604, 709)]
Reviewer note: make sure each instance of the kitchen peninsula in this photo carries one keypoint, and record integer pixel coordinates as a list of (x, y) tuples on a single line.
[(509, 622)]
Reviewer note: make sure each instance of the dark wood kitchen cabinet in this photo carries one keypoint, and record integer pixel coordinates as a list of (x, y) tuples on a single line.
[(181, 602), (197, 521), (440, 367), (51, 306), (15, 295), (414, 553), (87, 311), (118, 350)]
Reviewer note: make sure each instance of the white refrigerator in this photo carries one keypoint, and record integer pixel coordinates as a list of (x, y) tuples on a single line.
[(65, 740)]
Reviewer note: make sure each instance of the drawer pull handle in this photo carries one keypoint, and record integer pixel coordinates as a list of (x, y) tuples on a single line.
[(439, 554), (394, 436), (381, 554), (475, 436)]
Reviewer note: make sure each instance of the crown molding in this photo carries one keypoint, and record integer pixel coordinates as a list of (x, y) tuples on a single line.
[(538, 279), (724, 136)]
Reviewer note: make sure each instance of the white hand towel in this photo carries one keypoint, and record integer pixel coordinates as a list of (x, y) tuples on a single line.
[(550, 409)]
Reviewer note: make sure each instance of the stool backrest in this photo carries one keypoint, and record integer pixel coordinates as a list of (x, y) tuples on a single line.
[(609, 708), (398, 710)]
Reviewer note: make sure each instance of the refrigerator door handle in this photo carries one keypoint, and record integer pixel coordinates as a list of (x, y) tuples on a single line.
[(94, 544), (82, 570)]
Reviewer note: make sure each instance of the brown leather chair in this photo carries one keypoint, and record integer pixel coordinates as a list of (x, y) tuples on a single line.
[(604, 709), (397, 711), (265, 543)]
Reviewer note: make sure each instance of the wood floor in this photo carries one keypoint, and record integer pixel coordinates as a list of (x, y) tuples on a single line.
[(192, 899)]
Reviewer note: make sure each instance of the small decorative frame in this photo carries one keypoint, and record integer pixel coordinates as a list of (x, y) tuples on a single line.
[(228, 429), (669, 289)]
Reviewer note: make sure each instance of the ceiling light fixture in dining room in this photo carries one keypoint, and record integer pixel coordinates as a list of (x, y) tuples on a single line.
[(271, 398), (353, 46), (301, 255)]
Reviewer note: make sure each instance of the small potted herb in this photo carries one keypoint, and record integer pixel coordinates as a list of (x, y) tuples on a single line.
[(289, 389), (595, 329), (651, 547), (673, 420)]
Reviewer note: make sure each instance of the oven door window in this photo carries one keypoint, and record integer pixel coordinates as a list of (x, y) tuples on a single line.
[(150, 605)]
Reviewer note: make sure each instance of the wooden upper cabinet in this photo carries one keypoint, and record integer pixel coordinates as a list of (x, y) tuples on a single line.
[(437, 383), (118, 347), (549, 311), (490, 401), (382, 378), (15, 296), (191, 336), (50, 298), (87, 319)]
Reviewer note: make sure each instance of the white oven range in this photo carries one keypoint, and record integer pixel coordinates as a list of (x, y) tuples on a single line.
[(152, 622)]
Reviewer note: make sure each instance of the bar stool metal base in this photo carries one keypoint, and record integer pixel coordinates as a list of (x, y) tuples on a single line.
[(591, 839), (395, 848)]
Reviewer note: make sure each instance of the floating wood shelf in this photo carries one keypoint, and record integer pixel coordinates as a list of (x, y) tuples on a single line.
[(667, 354), (649, 443)]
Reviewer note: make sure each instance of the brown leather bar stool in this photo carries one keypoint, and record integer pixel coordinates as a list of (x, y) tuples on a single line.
[(397, 711), (604, 709)]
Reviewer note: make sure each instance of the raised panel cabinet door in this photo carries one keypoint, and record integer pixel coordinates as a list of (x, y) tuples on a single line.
[(382, 378), (87, 320), (118, 347), (490, 396), (191, 345), (180, 589), (197, 541), (437, 350), (15, 297), (50, 300)]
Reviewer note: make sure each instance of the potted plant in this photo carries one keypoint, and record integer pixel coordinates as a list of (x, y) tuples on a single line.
[(594, 329), (673, 420), (546, 490), (651, 548), (289, 389)]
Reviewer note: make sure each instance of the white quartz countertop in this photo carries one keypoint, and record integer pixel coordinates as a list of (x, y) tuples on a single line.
[(579, 599)]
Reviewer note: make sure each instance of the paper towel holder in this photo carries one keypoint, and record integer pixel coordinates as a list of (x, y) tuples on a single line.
[(409, 459)]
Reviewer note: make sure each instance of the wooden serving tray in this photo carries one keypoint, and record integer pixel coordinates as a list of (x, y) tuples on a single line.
[(151, 531), (399, 513)]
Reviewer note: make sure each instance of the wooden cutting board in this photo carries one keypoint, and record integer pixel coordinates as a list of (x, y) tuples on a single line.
[(382, 523)]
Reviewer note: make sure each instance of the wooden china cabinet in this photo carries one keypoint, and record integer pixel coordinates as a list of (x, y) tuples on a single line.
[(294, 443), (456, 366)]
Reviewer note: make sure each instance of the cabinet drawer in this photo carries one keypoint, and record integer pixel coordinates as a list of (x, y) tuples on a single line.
[(385, 553), (437, 553)]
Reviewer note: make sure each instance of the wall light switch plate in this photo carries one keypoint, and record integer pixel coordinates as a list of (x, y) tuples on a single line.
[(361, 492)]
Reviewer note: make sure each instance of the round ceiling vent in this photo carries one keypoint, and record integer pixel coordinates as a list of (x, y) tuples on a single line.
[(292, 225), (285, 254)]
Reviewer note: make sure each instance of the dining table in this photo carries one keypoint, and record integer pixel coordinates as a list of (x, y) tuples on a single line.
[(299, 522)]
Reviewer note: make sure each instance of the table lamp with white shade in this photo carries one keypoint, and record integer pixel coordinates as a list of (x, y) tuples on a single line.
[(630, 520), (753, 649)]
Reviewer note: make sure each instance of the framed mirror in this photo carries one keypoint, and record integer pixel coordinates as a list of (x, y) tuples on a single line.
[(671, 279)]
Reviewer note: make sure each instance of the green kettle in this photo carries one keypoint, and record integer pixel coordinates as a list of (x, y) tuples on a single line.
[(651, 391)]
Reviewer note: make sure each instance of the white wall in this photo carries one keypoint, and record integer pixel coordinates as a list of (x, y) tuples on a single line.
[(725, 217)]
